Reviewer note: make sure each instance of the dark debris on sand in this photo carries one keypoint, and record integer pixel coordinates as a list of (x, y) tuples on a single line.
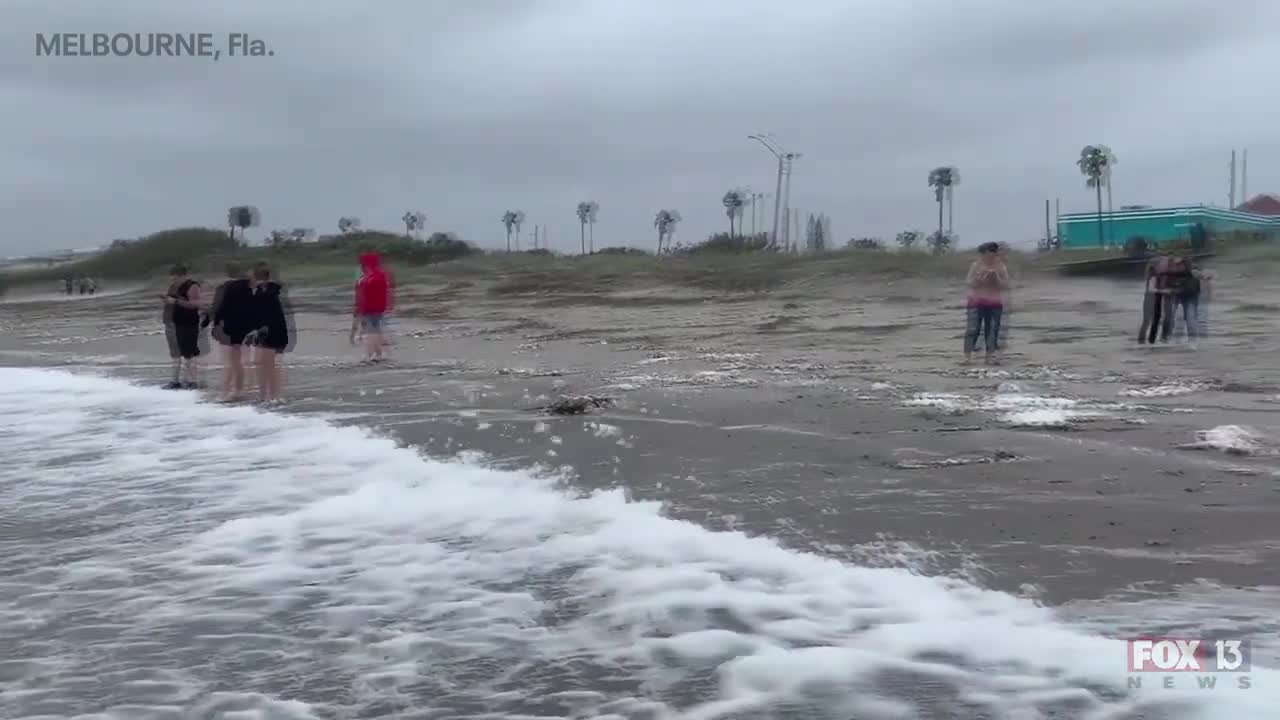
[(576, 405), (997, 456)]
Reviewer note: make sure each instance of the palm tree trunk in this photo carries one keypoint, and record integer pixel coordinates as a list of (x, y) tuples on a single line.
[(659, 241), (591, 236), (582, 227), (508, 239), (940, 203), (1101, 238)]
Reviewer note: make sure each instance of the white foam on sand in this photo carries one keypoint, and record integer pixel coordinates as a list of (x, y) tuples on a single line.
[(1234, 440), (165, 558), (1174, 389), (1013, 406)]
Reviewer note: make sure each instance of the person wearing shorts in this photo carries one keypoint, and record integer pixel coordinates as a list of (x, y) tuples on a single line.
[(182, 305), (274, 335), (233, 320), (372, 302)]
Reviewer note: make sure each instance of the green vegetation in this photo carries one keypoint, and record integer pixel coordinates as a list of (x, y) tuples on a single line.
[(721, 263), (206, 250)]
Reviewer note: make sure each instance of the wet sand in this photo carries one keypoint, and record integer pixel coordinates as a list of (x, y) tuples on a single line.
[(835, 418)]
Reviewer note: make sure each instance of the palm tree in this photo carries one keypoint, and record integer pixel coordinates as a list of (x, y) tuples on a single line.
[(666, 223), (907, 239), (518, 220), (591, 225), (509, 220), (1095, 162), (243, 217), (347, 225), (942, 180), (734, 200), (413, 221), (584, 215)]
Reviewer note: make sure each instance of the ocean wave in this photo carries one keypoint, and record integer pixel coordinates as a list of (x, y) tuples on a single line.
[(163, 557)]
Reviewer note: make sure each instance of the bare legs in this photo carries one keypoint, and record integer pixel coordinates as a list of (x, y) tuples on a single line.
[(267, 370), (232, 373), (373, 344), (191, 372)]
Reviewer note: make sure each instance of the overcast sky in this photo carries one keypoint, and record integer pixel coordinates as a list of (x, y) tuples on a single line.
[(465, 108)]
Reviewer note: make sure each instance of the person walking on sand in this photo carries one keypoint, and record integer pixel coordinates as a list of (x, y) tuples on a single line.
[(987, 281), (182, 305), (233, 320), (373, 300), (274, 334)]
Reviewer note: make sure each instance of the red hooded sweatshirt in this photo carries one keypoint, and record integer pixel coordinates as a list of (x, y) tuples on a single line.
[(373, 289)]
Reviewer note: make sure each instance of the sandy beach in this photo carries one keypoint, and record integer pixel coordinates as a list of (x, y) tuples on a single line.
[(837, 419), (1126, 487)]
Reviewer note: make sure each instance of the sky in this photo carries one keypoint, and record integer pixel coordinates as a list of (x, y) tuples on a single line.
[(466, 108)]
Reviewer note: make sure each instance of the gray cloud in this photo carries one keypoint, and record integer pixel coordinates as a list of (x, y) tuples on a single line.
[(466, 109)]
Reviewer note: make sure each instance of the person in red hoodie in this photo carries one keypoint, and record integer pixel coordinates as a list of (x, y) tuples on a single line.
[(372, 303)]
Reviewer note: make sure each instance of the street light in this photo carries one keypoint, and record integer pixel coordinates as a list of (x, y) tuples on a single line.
[(784, 167)]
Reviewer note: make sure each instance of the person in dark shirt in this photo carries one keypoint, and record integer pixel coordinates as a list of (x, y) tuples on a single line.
[(233, 320), (182, 305), (1184, 294), (274, 334), (1155, 300)]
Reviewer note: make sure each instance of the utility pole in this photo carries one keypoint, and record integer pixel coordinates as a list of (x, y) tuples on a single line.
[(784, 167), (1244, 176), (1231, 192), (1048, 233), (777, 203), (535, 237), (1111, 235), (787, 158)]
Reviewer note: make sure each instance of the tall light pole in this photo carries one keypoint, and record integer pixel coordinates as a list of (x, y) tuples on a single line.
[(784, 160)]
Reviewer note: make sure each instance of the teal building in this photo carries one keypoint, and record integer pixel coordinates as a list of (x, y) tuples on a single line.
[(1160, 226)]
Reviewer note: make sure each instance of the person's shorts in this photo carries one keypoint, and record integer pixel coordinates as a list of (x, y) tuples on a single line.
[(371, 322), (186, 341), (277, 340)]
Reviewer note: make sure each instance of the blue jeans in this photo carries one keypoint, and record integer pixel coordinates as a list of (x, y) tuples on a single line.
[(983, 322), (371, 322), (1190, 306)]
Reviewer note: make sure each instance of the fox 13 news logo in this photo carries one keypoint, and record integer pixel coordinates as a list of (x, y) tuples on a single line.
[(1178, 662)]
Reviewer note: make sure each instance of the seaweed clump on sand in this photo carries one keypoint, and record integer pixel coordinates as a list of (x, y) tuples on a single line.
[(577, 405)]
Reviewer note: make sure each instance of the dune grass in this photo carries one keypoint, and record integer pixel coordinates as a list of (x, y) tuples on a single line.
[(444, 260)]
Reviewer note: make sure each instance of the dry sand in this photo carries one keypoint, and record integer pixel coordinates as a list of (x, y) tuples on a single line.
[(834, 417)]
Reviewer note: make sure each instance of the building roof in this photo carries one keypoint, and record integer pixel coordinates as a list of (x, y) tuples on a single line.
[(1264, 204)]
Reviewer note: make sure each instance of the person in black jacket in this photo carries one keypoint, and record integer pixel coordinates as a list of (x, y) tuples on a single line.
[(274, 334), (233, 320), (182, 316)]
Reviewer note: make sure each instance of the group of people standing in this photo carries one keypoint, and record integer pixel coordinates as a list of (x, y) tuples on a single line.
[(1173, 287), (248, 315), (86, 285), (1174, 290)]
